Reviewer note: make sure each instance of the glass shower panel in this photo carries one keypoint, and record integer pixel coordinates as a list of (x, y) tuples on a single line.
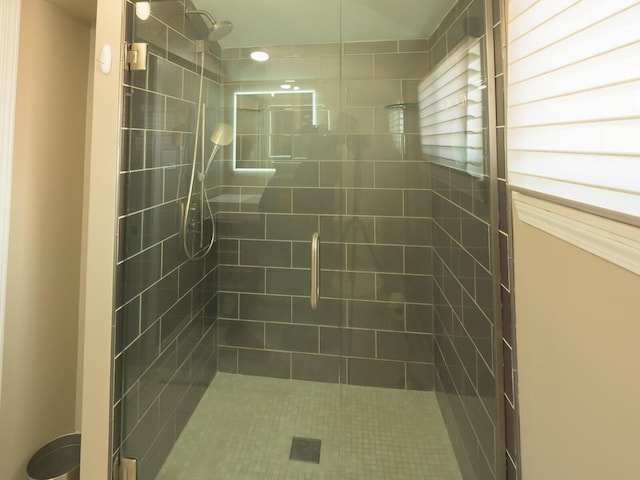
[(346, 130), (165, 349)]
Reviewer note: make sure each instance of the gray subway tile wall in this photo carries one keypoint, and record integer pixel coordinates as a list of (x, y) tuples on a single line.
[(365, 188), (464, 320), (165, 329), (406, 282)]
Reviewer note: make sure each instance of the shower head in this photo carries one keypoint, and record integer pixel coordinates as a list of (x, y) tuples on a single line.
[(217, 30), (222, 135), (220, 30)]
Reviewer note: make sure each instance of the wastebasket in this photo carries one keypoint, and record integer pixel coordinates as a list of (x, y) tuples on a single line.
[(57, 460)]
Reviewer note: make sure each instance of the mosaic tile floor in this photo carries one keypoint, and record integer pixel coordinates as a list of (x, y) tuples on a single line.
[(243, 428)]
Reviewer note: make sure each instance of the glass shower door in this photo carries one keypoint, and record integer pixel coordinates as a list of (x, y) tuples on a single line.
[(227, 367)]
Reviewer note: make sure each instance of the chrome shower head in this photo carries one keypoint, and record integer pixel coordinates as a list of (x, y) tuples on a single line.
[(222, 135), (217, 30), (220, 30)]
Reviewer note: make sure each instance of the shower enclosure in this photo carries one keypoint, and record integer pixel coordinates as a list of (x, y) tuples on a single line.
[(345, 184)]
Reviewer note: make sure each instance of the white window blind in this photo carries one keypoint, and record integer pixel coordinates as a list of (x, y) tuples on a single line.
[(451, 117), (573, 96)]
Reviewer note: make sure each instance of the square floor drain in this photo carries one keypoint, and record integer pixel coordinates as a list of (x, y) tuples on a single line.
[(305, 450)]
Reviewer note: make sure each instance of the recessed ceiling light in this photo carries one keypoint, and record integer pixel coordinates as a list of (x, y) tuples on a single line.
[(259, 56), (285, 86)]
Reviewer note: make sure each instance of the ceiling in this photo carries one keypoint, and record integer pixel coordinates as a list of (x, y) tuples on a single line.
[(281, 22)]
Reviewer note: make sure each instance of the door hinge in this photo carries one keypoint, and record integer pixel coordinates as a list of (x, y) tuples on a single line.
[(137, 56), (125, 469)]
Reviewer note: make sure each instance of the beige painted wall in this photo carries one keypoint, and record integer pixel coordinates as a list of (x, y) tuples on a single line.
[(578, 334), (40, 353), (101, 181)]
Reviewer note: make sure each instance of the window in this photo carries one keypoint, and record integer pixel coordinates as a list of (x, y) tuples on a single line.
[(573, 116)]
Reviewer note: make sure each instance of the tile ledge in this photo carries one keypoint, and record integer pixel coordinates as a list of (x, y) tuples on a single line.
[(613, 241)]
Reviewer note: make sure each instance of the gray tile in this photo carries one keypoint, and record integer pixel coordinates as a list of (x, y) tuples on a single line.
[(419, 318), (227, 251), (317, 368), (347, 342), (374, 202), (189, 338), (241, 225), (295, 338), (418, 260), (330, 311), (164, 77), (420, 376), (347, 67), (409, 347), (401, 175), (265, 307), (238, 333), (372, 92), (347, 285), (159, 450), (228, 359), (419, 45), (162, 149), (158, 299), (241, 279), (417, 203), (403, 231), (376, 315), (349, 174), (153, 32), (349, 229), (375, 258), (376, 373), (265, 253), (288, 281), (275, 200), (141, 437), (291, 227), (227, 305), (370, 47), (176, 319), (332, 255), (143, 189), (401, 65), (322, 200), (264, 363), (129, 317), (374, 147), (413, 288), (157, 377)]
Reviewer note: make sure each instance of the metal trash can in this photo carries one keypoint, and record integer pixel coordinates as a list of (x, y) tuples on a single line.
[(57, 460)]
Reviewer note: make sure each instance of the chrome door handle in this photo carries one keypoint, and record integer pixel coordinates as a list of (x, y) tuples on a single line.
[(315, 270)]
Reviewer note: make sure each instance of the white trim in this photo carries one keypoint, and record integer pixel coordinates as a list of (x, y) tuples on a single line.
[(613, 241), (9, 38)]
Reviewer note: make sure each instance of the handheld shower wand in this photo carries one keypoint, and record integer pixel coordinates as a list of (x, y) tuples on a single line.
[(221, 137)]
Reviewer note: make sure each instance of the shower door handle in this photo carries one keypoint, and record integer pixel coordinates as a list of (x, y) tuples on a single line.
[(315, 270)]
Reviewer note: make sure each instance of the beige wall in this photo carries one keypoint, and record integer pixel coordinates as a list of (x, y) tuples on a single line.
[(101, 180), (578, 334), (40, 352)]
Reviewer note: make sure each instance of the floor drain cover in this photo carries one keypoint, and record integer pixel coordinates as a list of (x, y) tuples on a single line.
[(305, 450)]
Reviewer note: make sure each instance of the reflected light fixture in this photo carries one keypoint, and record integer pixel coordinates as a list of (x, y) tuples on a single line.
[(259, 56), (143, 10), (286, 86)]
